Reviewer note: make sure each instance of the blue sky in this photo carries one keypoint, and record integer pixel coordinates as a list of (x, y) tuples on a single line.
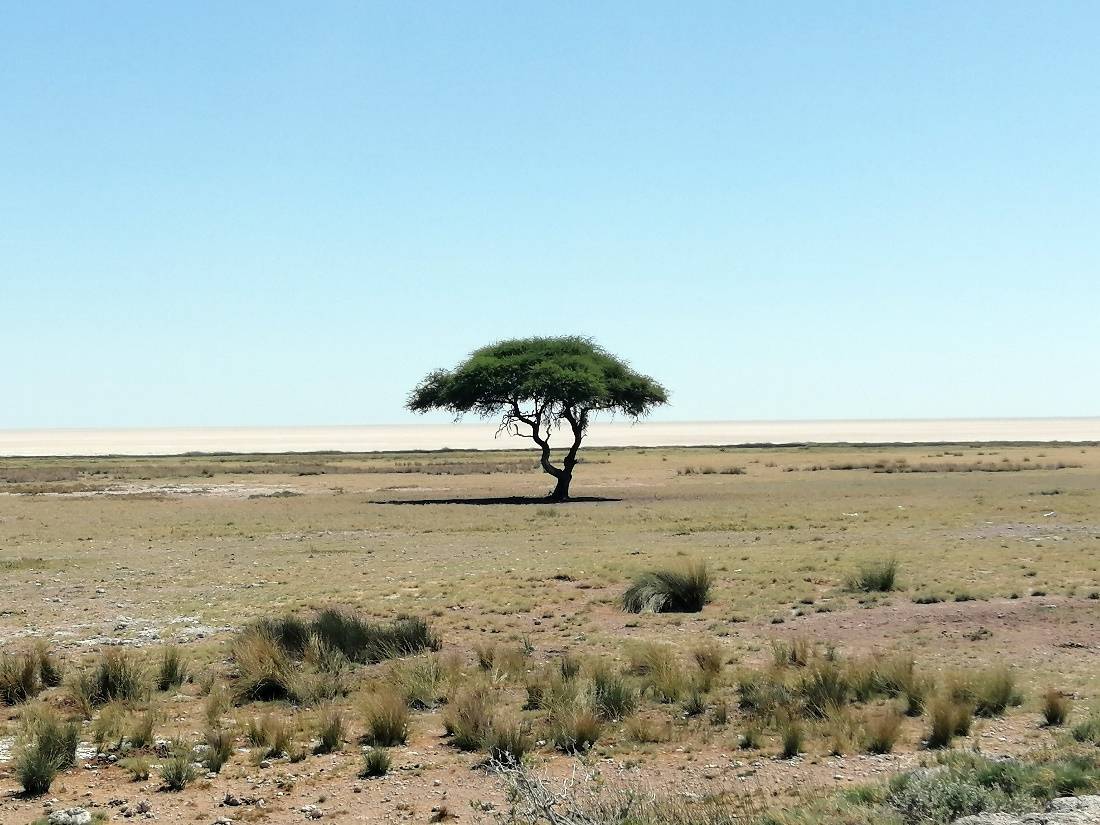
[(264, 213)]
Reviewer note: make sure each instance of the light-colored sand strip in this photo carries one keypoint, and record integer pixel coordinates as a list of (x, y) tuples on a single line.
[(171, 441)]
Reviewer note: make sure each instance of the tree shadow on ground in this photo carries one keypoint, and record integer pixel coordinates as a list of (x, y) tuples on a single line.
[(497, 500)]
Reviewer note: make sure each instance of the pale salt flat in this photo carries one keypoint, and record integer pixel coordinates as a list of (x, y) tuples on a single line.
[(481, 436)]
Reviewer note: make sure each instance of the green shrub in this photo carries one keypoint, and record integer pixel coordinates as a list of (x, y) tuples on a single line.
[(790, 736), (141, 734), (1087, 731), (118, 677), (173, 669), (36, 769), (271, 736), (569, 666), (330, 730), (356, 638), (423, 682), (387, 719), (614, 698), (508, 739), (468, 717), (177, 772), (219, 749), (822, 688), (751, 738), (875, 577), (265, 670), (669, 591), (137, 766), (55, 737), (994, 691), (948, 718), (1056, 707), (50, 671), (881, 730), (695, 704), (376, 762), (575, 728), (19, 678)]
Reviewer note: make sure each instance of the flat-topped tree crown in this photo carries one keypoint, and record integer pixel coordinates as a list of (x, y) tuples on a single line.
[(537, 384)]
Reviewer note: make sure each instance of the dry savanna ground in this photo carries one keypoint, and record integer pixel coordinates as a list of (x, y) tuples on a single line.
[(795, 679)]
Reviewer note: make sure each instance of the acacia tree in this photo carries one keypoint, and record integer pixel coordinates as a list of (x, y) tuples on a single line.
[(538, 386)]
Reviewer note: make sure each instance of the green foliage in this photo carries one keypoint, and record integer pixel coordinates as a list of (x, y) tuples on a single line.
[(1056, 707), (552, 373), (330, 730), (50, 670), (468, 717), (219, 749), (117, 677), (508, 739), (669, 591), (537, 384), (141, 734), (387, 718), (307, 660), (376, 762), (137, 766), (55, 737), (882, 730), (791, 735), (36, 769), (875, 577), (173, 669), (178, 772), (19, 678), (614, 698)]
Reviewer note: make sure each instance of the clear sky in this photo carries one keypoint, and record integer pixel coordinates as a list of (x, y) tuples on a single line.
[(285, 213)]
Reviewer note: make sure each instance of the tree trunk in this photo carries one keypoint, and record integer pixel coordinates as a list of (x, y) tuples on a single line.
[(561, 489)]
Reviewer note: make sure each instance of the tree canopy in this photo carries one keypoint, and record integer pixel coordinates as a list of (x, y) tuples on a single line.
[(536, 384)]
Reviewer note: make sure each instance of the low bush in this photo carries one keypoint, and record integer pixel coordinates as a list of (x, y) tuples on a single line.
[(330, 730), (118, 676), (138, 767), (54, 735), (881, 730), (669, 591), (575, 728), (823, 688), (423, 681), (376, 762), (468, 717), (177, 772), (1087, 731), (36, 769), (948, 718), (791, 735), (1056, 707), (271, 736), (507, 739), (219, 749), (356, 638), (993, 691), (875, 577), (796, 652), (386, 716), (50, 670), (141, 733), (613, 697), (19, 678), (172, 671)]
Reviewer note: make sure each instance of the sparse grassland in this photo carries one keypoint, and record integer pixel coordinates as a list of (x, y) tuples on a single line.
[(914, 604)]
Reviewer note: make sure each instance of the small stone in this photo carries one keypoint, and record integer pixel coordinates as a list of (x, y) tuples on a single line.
[(70, 816)]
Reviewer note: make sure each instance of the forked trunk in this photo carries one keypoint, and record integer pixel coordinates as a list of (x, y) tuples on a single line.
[(561, 489)]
